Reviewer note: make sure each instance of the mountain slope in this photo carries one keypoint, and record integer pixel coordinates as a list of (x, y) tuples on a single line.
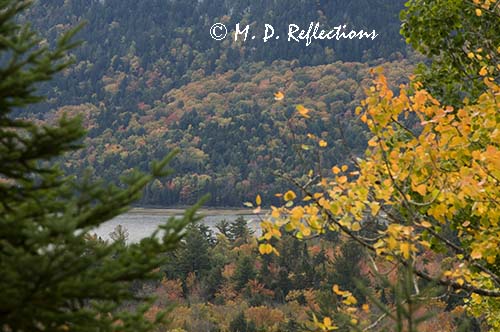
[(148, 78), (232, 132), (156, 45)]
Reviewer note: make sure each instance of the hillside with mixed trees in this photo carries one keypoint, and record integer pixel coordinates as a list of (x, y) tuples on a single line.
[(148, 78), (232, 131)]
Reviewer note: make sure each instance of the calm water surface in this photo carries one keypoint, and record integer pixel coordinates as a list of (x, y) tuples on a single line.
[(142, 224)]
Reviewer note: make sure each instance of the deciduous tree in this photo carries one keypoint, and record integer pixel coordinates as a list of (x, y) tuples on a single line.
[(434, 186)]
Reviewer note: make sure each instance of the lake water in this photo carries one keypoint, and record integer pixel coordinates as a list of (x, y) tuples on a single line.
[(141, 224)]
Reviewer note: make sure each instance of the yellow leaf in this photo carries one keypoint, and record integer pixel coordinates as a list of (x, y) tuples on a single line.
[(420, 97), (337, 291), (476, 254), (426, 224), (483, 71), (258, 200), (289, 195), (365, 307), (306, 231), (335, 170), (323, 143), (279, 96), (297, 213), (392, 242), (350, 300), (405, 249), (375, 207), (421, 189), (479, 12), (265, 249), (303, 111), (356, 226), (276, 233), (425, 244), (327, 322), (476, 298)]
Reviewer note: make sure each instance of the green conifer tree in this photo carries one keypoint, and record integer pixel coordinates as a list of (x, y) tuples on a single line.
[(238, 229), (245, 271), (192, 256), (53, 276)]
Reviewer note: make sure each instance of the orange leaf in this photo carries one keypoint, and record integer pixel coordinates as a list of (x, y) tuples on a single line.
[(421, 189), (279, 96), (476, 254)]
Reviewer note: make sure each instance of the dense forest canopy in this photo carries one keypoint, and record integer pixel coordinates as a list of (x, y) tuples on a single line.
[(233, 134), (148, 77)]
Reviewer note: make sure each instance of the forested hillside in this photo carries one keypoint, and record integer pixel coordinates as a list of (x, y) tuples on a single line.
[(148, 78), (232, 132), (156, 45)]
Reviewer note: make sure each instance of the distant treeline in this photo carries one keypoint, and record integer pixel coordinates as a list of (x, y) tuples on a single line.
[(161, 44)]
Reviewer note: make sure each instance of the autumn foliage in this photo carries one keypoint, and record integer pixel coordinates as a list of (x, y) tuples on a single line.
[(429, 181)]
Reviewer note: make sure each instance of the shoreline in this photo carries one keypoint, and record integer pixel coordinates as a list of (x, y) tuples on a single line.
[(204, 211)]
